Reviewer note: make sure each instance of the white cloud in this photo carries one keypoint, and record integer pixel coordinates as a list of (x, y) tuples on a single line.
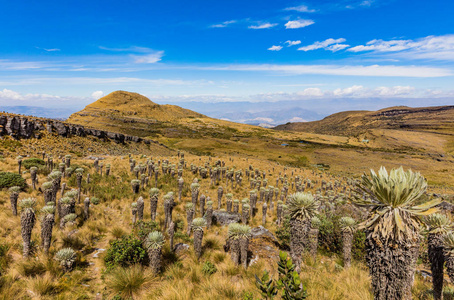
[(430, 47), (132, 49), (223, 24), (301, 8), (293, 43), (98, 94), (275, 48), (148, 58), (339, 70), (298, 24), (297, 119), (263, 26), (328, 44)]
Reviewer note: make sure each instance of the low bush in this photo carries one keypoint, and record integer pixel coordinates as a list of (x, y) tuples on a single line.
[(125, 252), (8, 179), (33, 162)]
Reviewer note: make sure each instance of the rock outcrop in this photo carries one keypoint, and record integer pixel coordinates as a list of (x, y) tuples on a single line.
[(22, 127)]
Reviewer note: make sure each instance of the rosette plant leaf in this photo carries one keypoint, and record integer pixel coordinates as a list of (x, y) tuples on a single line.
[(392, 228)]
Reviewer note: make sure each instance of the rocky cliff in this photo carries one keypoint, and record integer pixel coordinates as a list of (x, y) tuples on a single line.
[(23, 127)]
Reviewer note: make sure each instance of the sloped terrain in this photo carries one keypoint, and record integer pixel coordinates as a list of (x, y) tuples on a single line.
[(438, 119)]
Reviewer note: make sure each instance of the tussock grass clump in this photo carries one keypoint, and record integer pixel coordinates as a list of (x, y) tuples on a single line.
[(129, 282)]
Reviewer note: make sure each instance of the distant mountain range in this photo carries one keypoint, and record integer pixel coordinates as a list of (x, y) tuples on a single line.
[(265, 114), (43, 112), (438, 119)]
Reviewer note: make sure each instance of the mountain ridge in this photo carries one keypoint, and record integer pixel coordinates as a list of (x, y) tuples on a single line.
[(350, 123)]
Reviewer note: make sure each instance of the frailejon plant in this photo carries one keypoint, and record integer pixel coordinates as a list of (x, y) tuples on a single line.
[(28, 219), (67, 258), (448, 246), (348, 227), (153, 243), (313, 236), (234, 235), (392, 228), (13, 196), (47, 224), (302, 207), (197, 227), (189, 216), (154, 194), (438, 225)]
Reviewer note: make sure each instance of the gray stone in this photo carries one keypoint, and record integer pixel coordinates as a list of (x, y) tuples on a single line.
[(224, 218)]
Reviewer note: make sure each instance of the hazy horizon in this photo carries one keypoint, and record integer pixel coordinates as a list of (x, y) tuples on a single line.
[(318, 56)]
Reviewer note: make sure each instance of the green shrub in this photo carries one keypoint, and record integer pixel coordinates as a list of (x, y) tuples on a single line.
[(125, 252), (209, 268), (8, 179), (283, 233), (33, 162), (94, 200), (143, 228)]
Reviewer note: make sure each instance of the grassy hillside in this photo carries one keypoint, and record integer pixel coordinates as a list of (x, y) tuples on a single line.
[(438, 119)]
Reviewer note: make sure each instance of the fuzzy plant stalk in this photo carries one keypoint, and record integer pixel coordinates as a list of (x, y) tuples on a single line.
[(96, 164), (448, 246), (13, 196), (264, 209), (393, 228), (234, 235), (171, 232), (168, 208), (180, 188), (302, 207), (253, 202), (229, 202), (279, 213), (156, 175), (135, 184), (65, 209), (348, 227), (134, 212), (202, 204), (236, 206), (107, 169), (63, 188), (27, 220), (154, 195), (47, 189), (438, 225), (197, 227), (86, 208), (190, 211), (79, 176), (19, 163), (313, 237), (244, 236), (33, 176), (61, 168), (55, 178), (245, 212), (140, 207), (47, 224), (195, 193), (153, 243), (67, 258), (220, 193), (68, 161), (209, 213)]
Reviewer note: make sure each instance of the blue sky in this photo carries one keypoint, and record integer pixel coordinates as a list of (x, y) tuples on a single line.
[(69, 53)]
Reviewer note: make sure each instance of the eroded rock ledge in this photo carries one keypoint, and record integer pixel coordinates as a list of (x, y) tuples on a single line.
[(24, 127)]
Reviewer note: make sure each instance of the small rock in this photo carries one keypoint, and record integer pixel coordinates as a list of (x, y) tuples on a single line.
[(180, 248)]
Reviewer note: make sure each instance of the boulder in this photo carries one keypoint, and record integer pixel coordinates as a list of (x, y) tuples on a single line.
[(224, 218)]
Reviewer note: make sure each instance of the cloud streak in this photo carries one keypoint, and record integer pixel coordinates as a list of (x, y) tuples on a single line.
[(430, 47), (301, 23), (328, 44), (340, 70)]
